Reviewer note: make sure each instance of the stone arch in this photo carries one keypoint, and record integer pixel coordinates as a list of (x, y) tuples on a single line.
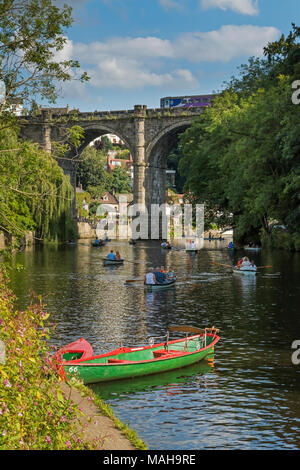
[(92, 132), (157, 153)]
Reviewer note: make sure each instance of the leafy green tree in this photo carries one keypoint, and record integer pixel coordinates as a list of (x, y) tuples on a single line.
[(34, 192), (32, 33), (91, 171), (118, 181), (242, 155)]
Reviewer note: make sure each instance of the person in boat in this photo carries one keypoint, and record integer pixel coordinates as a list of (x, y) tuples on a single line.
[(171, 275), (97, 241), (163, 270), (111, 256), (253, 266), (230, 245), (245, 263), (159, 275), (239, 263), (150, 278), (118, 256)]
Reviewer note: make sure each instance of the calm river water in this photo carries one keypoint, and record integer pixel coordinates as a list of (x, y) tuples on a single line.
[(249, 399)]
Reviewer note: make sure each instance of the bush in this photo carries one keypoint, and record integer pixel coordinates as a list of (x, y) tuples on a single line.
[(34, 412)]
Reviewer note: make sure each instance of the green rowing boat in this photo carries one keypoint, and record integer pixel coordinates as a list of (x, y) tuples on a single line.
[(124, 362)]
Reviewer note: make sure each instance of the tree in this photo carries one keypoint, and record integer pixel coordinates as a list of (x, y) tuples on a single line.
[(242, 155), (118, 181), (32, 33), (91, 171), (34, 192)]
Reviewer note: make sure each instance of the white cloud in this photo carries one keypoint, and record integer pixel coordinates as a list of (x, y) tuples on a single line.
[(246, 7), (130, 63), (225, 44)]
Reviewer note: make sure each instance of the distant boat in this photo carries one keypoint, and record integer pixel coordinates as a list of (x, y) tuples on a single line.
[(124, 362), (98, 243), (252, 248), (166, 245)]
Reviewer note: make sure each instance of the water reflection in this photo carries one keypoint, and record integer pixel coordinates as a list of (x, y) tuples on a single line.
[(250, 399)]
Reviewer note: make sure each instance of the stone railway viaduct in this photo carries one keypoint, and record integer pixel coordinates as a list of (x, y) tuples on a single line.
[(149, 134)]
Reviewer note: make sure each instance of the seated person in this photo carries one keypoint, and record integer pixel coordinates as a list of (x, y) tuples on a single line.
[(118, 256), (171, 275), (111, 255), (159, 276), (253, 266), (245, 263), (149, 278)]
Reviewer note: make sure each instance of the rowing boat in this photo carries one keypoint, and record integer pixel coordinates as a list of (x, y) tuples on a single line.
[(124, 362), (165, 285), (98, 244), (107, 262), (244, 271), (252, 248), (79, 349)]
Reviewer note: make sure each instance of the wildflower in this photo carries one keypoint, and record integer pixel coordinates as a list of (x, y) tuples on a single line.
[(68, 444), (7, 383), (47, 439)]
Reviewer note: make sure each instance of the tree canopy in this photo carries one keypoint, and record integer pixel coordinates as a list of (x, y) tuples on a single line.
[(242, 156)]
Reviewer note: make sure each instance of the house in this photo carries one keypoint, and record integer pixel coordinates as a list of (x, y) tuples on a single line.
[(113, 162), (15, 105)]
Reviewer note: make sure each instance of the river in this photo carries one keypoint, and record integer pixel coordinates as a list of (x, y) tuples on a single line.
[(248, 399)]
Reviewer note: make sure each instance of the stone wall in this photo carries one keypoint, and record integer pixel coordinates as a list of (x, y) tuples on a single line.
[(85, 230)]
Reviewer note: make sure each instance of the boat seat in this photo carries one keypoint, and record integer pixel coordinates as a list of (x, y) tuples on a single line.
[(165, 353), (112, 360)]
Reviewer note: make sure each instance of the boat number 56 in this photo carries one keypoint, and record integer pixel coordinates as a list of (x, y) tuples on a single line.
[(296, 354), (73, 370)]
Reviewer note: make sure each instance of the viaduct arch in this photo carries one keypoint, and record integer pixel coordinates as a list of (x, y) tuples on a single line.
[(149, 134)]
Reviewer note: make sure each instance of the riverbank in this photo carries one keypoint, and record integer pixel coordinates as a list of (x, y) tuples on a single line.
[(98, 423)]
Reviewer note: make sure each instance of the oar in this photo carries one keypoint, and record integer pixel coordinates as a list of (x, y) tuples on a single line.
[(221, 264), (259, 267)]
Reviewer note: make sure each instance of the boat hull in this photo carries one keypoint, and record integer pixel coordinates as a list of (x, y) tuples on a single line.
[(153, 287), (107, 262), (149, 360), (249, 248), (245, 272)]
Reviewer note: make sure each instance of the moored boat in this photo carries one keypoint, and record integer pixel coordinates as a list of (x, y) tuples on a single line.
[(79, 349), (124, 362), (252, 248)]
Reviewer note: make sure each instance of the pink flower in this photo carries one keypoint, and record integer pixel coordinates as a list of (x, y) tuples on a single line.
[(68, 444), (7, 383), (47, 439)]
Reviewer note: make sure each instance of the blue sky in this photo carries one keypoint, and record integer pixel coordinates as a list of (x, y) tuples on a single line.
[(137, 51)]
